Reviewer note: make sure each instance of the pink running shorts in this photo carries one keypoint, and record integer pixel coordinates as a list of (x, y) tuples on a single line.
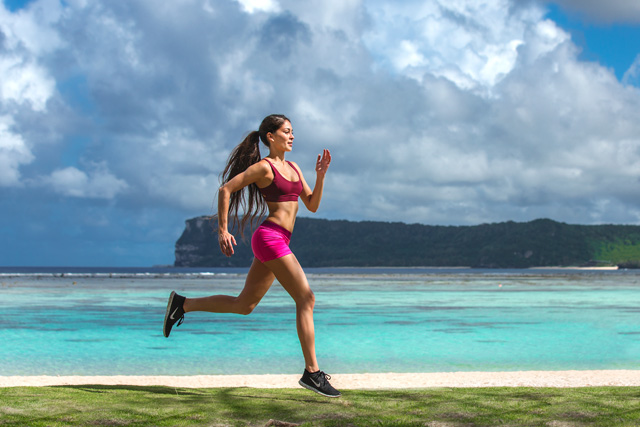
[(270, 241)]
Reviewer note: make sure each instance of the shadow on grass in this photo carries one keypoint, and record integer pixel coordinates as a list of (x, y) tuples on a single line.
[(158, 405), (213, 405), (160, 390)]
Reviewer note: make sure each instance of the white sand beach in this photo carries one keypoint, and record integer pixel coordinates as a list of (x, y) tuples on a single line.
[(353, 381)]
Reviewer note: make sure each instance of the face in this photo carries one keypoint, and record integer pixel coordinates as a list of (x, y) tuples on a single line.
[(282, 139)]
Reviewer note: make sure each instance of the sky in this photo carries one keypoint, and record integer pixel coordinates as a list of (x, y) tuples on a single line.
[(117, 117)]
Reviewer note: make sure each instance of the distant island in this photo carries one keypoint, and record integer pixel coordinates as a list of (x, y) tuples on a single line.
[(339, 243)]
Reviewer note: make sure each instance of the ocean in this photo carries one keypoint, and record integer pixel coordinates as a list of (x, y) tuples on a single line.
[(108, 321)]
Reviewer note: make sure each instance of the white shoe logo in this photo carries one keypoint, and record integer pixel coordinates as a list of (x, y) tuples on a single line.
[(314, 381), (172, 314)]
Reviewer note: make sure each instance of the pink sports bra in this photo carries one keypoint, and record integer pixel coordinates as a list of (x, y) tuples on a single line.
[(281, 189)]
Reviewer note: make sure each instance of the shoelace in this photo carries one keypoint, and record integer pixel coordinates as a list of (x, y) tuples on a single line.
[(322, 377)]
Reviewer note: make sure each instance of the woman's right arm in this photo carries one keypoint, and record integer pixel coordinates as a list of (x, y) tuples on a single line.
[(253, 175), (225, 239)]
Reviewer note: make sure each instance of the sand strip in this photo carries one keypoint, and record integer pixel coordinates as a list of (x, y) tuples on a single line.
[(353, 381)]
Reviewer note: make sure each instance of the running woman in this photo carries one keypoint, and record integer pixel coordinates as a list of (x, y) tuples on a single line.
[(274, 186)]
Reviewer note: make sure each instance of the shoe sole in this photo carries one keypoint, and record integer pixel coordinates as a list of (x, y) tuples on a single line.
[(308, 387), (166, 315)]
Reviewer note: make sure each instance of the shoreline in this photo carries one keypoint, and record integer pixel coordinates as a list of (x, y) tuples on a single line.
[(557, 379), (606, 268)]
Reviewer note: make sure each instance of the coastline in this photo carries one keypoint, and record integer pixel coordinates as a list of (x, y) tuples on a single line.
[(558, 379), (606, 268)]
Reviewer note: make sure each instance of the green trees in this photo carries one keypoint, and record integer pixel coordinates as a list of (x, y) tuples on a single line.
[(325, 243)]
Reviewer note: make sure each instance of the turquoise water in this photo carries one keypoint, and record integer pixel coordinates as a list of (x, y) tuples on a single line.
[(378, 320)]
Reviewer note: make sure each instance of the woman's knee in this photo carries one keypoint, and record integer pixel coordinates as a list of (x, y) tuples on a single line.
[(307, 301), (243, 307), (246, 310)]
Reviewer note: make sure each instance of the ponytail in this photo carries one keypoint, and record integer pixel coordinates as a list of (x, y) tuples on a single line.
[(244, 155)]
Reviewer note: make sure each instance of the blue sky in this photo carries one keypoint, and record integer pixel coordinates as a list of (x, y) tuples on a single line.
[(612, 45), (116, 118)]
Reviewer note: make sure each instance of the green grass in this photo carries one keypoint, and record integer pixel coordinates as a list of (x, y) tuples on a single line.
[(95, 405)]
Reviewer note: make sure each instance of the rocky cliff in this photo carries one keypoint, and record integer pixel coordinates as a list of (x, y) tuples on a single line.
[(198, 247)]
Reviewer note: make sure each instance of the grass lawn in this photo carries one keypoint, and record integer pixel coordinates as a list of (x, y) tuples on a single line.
[(96, 405)]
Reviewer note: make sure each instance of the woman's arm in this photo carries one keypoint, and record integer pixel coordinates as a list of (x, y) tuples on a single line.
[(254, 174), (311, 199), (225, 239)]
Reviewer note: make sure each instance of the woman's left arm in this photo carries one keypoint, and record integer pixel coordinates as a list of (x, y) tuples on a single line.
[(311, 199)]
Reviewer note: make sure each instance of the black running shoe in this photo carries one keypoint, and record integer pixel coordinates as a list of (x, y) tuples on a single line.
[(318, 382), (175, 313)]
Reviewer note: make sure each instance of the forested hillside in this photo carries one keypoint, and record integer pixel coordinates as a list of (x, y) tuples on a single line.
[(326, 243)]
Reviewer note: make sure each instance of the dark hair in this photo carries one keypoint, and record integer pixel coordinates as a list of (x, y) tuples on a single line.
[(244, 155)]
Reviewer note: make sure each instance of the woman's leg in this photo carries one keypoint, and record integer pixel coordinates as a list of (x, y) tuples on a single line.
[(258, 282), (292, 278)]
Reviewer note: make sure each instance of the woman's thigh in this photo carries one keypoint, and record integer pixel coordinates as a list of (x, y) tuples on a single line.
[(289, 273), (259, 280)]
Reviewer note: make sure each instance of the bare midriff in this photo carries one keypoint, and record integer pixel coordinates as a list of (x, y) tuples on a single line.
[(283, 214)]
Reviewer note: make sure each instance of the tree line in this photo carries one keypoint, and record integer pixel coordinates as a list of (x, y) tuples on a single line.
[(340, 243)]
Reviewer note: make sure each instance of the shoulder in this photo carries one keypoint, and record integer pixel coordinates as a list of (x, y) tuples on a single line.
[(262, 164), (295, 165), (260, 168)]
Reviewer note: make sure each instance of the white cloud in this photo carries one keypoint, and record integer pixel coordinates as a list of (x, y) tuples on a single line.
[(26, 36), (473, 44), (542, 38), (437, 112), (556, 136), (189, 173), (98, 183), (252, 6), (32, 29), (13, 153), (24, 83)]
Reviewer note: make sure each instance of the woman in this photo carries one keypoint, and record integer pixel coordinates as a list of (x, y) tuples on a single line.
[(274, 186)]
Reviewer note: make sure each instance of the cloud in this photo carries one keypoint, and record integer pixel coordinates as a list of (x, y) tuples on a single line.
[(621, 11), (470, 43), (24, 83), (25, 37), (455, 112), (252, 6), (98, 183), (13, 153), (547, 135), (433, 107), (174, 168)]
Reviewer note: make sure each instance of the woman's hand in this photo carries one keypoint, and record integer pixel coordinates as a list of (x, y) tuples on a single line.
[(323, 162), (227, 242)]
